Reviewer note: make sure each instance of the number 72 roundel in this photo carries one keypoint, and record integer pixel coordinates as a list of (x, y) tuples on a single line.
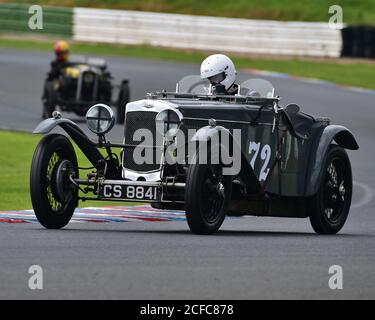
[(265, 155)]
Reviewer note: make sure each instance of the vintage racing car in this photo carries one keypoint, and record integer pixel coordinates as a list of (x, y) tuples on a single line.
[(209, 154), (84, 82)]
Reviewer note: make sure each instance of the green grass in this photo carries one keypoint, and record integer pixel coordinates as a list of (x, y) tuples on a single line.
[(358, 73), (15, 165), (355, 11), (18, 149)]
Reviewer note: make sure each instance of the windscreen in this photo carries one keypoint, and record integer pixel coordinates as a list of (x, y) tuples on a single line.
[(194, 85), (257, 88)]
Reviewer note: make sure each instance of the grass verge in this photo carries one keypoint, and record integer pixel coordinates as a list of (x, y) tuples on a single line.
[(357, 73), (18, 149)]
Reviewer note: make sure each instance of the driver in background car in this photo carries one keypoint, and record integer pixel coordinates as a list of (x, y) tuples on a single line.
[(220, 71), (61, 61)]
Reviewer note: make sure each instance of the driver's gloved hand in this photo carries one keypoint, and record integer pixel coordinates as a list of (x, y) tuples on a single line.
[(219, 89)]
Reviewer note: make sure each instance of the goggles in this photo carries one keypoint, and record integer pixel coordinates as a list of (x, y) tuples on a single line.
[(217, 78)]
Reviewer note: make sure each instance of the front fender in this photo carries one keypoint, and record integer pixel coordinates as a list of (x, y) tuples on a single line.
[(88, 147), (47, 125), (240, 166), (339, 134)]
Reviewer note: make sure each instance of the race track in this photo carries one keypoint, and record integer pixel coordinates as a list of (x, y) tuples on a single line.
[(249, 258)]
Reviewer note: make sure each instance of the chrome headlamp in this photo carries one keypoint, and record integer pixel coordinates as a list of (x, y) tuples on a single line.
[(100, 119)]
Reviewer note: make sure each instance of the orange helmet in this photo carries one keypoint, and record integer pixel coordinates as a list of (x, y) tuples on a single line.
[(61, 50)]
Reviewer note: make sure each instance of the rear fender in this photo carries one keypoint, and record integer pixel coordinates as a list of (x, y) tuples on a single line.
[(339, 134), (88, 147)]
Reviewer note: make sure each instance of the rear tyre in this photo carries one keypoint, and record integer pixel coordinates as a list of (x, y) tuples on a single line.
[(329, 208), (123, 99), (49, 100), (53, 196), (207, 195)]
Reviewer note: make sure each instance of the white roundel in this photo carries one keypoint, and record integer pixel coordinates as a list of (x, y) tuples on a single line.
[(217, 64)]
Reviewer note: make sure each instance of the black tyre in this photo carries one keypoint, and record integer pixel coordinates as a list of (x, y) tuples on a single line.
[(123, 99), (53, 196), (207, 195), (330, 207), (49, 100)]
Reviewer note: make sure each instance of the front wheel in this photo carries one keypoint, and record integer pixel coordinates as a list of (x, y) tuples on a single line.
[(207, 195), (54, 197), (330, 206)]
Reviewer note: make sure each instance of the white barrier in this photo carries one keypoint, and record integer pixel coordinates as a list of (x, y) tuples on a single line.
[(207, 33)]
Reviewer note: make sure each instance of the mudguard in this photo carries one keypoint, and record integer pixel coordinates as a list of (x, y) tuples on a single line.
[(47, 125), (88, 147), (339, 134), (246, 172)]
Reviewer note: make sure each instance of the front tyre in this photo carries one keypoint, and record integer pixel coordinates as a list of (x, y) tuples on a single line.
[(53, 196), (207, 195), (330, 206)]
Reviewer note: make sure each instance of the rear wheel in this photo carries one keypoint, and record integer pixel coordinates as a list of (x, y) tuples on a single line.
[(123, 99), (330, 207), (54, 197), (207, 195)]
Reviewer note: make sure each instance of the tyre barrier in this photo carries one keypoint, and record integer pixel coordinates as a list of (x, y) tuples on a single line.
[(358, 41)]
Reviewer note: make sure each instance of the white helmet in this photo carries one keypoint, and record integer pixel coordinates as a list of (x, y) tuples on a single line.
[(218, 68)]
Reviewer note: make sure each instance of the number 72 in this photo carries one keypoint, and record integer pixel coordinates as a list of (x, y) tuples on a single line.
[(265, 155)]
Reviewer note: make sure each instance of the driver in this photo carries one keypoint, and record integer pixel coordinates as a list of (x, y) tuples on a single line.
[(221, 73), (61, 61)]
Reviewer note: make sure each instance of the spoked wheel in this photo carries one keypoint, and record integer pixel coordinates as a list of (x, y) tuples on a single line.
[(213, 194), (53, 195), (207, 195), (330, 207)]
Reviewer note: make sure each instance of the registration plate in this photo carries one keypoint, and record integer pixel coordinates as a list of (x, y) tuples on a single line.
[(130, 192)]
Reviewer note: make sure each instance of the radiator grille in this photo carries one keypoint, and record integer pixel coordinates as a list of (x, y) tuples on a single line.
[(140, 120)]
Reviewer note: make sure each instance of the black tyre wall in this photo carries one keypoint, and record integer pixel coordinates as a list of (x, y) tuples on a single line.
[(38, 181)]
